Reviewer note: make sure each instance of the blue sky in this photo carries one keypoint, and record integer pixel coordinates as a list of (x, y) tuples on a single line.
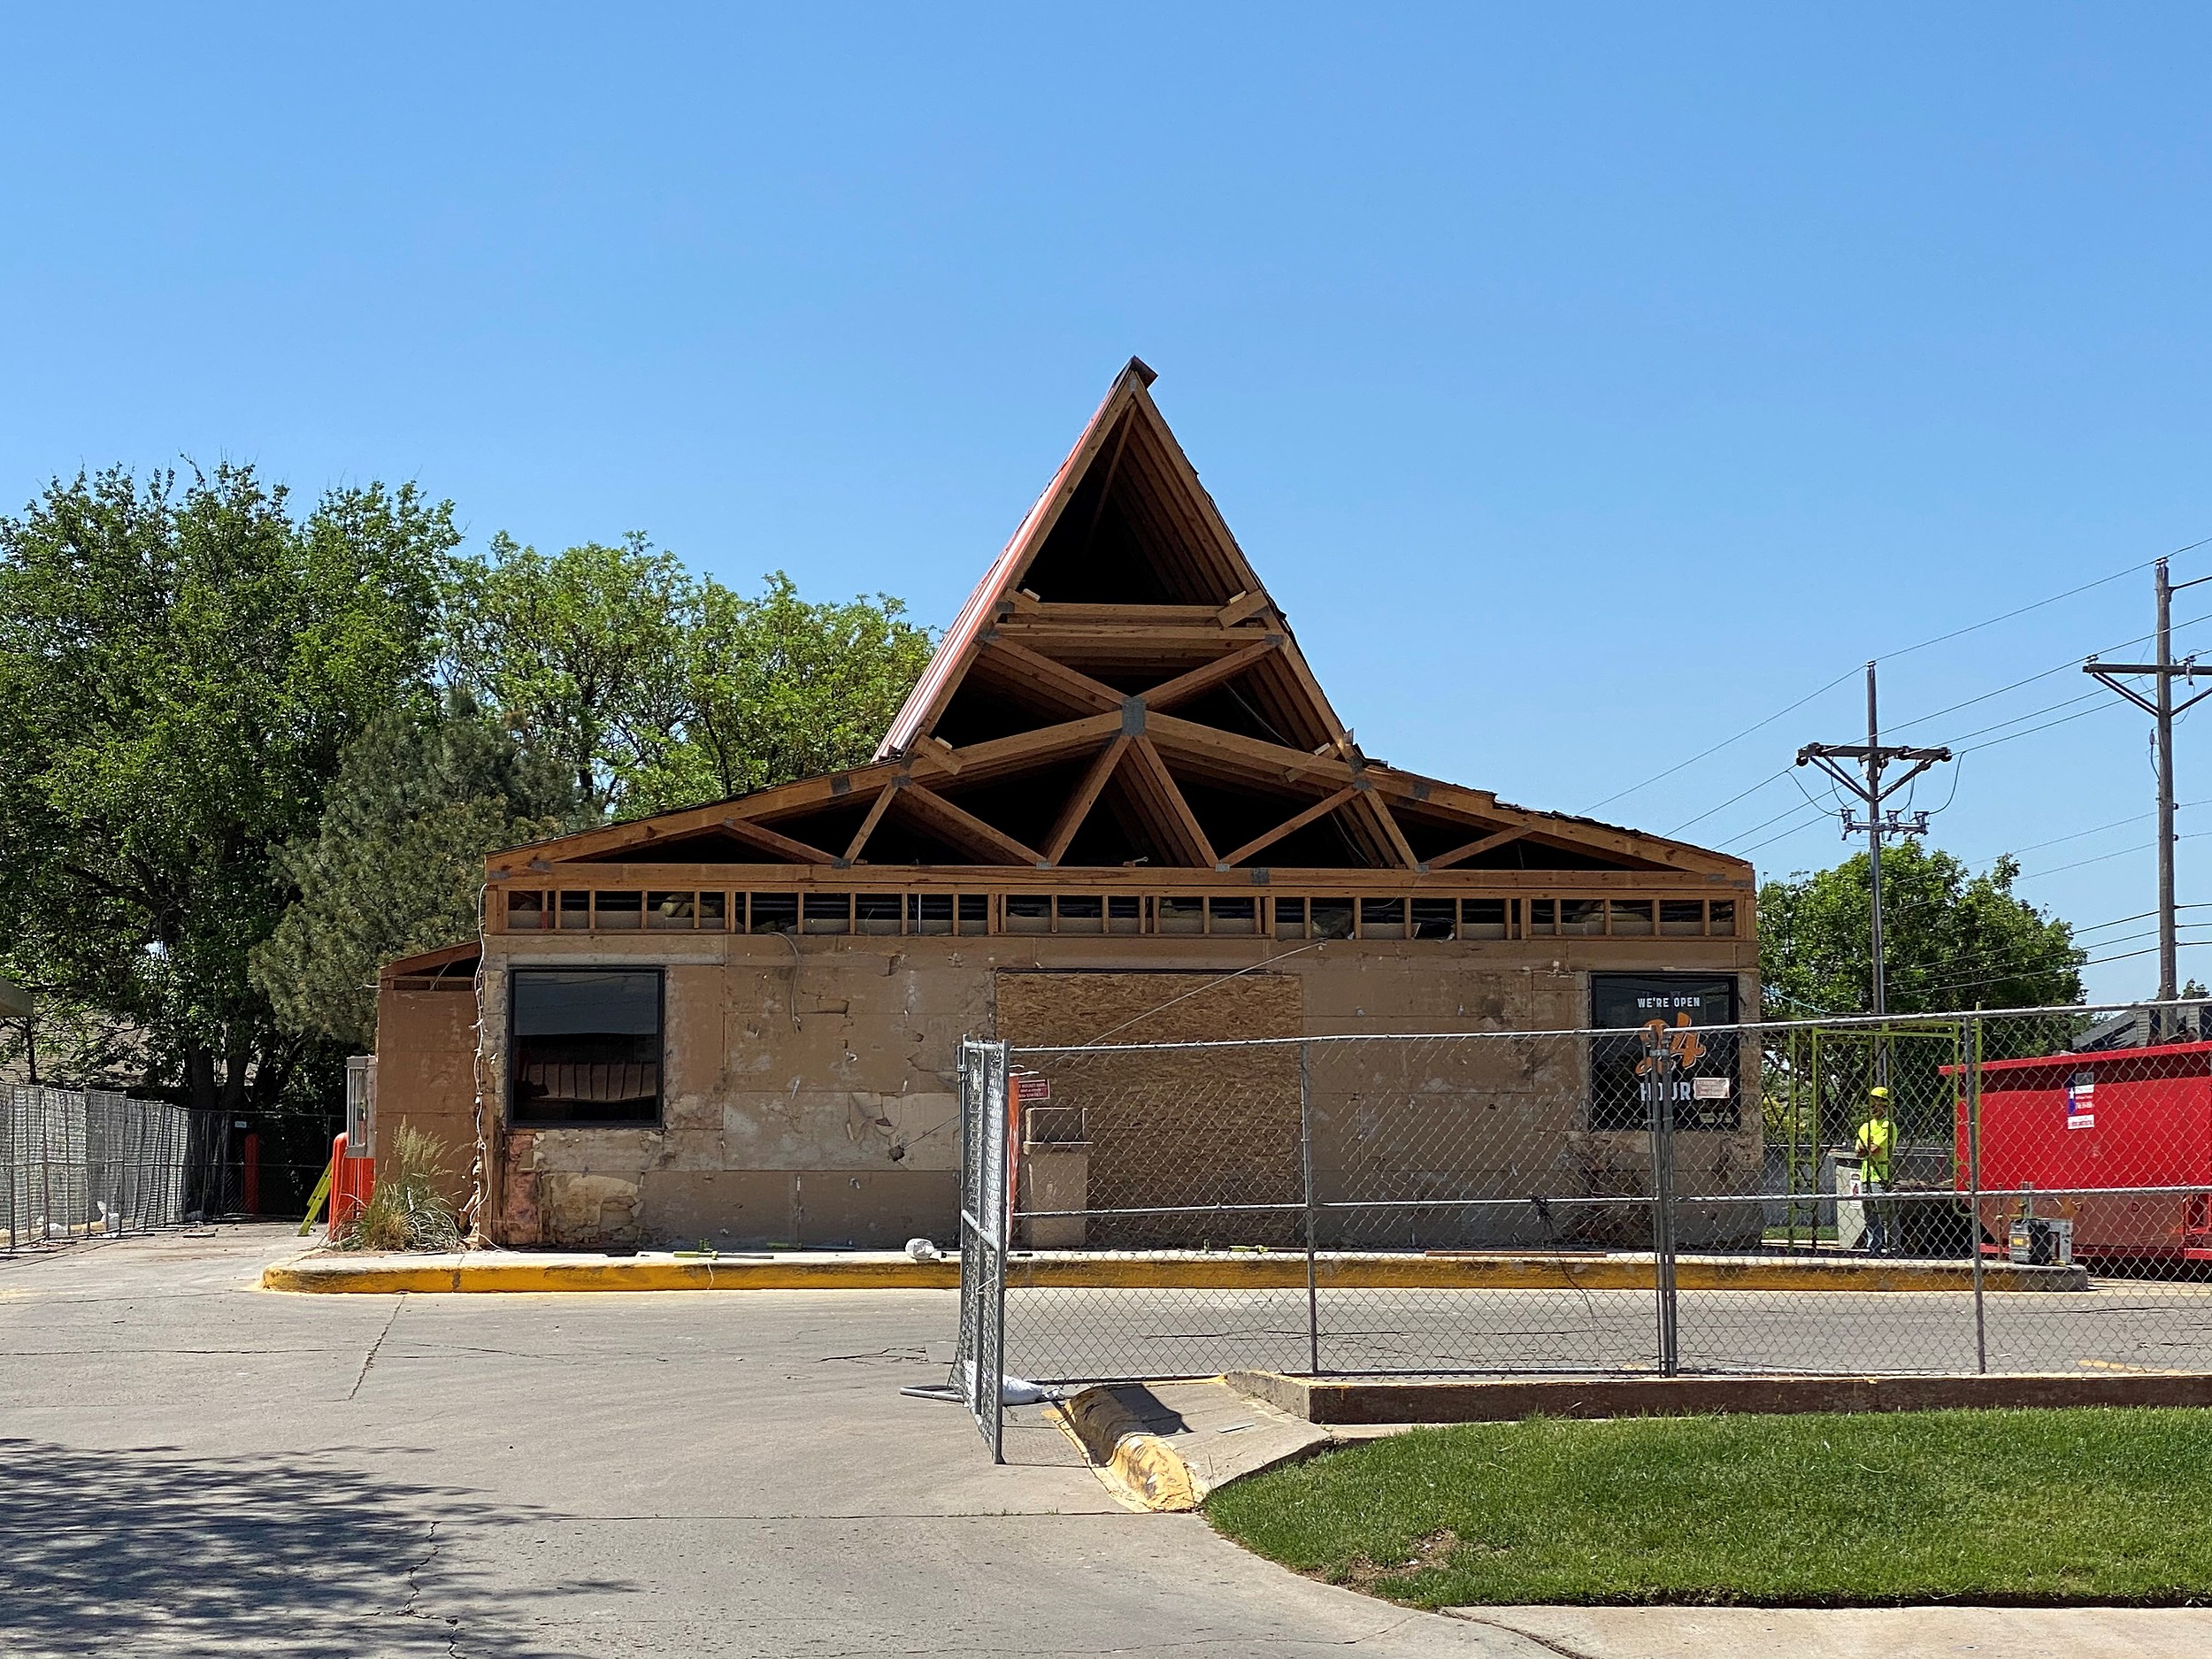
[(1588, 382)]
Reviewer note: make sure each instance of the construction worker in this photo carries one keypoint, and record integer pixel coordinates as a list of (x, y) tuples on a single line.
[(1877, 1141)]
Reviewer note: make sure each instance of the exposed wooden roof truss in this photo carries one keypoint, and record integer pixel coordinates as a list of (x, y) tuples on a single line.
[(1121, 690)]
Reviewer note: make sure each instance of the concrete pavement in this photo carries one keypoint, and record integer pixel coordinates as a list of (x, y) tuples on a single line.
[(196, 1467), (193, 1466)]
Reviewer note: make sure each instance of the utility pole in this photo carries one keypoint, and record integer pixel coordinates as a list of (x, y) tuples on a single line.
[(1868, 786), (2161, 709)]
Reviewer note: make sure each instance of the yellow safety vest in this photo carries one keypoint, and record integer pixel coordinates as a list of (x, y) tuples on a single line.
[(1878, 1138)]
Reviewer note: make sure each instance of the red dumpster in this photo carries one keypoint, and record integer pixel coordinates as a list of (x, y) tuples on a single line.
[(2074, 1126)]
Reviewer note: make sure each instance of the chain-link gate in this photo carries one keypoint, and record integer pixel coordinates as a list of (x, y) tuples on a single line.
[(1715, 1198), (985, 1172)]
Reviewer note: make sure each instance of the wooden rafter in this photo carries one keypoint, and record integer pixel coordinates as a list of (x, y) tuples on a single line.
[(1394, 836), (1252, 756), (985, 842), (1320, 809), (1084, 796), (1475, 849), (761, 836), (1064, 688), (1002, 755), (1204, 678), (875, 816), (1156, 791)]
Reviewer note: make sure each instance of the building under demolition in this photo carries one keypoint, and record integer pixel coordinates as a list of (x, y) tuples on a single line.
[(1118, 806)]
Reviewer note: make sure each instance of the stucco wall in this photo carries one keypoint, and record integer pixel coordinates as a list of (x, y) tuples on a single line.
[(425, 1074), (810, 1097)]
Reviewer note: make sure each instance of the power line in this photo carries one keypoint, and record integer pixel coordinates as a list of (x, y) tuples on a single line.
[(1732, 800), (1939, 639)]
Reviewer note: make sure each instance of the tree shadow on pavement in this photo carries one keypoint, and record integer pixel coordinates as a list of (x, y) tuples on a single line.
[(147, 1550)]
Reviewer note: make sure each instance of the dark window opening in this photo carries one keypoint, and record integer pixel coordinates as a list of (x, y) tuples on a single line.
[(1705, 1094), (975, 912), (1435, 918), (586, 1046), (1125, 916), (576, 910), (714, 911), (1082, 913), (668, 912), (876, 913), (929, 912), (775, 913), (828, 913), (1290, 918), (1724, 916), (1028, 912), (1680, 917), (527, 912)]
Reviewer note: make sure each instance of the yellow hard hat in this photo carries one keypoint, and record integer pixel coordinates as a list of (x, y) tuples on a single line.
[(1880, 1091)]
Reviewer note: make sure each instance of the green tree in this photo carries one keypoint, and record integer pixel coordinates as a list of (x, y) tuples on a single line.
[(181, 664), (397, 862), (657, 690), (776, 688), (582, 653), (1950, 939)]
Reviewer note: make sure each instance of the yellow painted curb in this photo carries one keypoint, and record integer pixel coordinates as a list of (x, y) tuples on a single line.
[(1142, 1471), (514, 1276), (1275, 1270)]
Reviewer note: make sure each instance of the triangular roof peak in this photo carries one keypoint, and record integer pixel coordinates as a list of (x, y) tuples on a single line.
[(1123, 539), (1120, 690)]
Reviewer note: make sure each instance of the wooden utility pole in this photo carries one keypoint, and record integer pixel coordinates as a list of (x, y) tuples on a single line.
[(1869, 788), (2161, 708)]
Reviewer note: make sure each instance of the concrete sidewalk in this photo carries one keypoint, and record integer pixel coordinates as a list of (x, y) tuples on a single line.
[(1899, 1633)]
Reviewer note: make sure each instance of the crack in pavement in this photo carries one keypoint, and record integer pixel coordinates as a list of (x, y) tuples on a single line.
[(1545, 1642), (398, 1301)]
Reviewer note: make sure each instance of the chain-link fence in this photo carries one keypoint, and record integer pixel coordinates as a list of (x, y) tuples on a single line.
[(1972, 1192), (82, 1164)]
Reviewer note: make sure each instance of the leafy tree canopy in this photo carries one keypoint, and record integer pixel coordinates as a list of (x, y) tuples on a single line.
[(181, 663), (1951, 939), (656, 690), (249, 755)]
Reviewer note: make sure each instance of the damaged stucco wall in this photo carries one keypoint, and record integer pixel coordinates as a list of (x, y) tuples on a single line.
[(808, 1096), (810, 1093)]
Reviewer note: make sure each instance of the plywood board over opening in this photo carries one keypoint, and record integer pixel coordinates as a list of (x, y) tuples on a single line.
[(1206, 1130)]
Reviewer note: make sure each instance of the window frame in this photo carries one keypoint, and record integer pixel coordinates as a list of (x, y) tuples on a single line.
[(660, 1065)]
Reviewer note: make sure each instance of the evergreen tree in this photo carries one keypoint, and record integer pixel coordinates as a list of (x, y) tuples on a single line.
[(396, 865)]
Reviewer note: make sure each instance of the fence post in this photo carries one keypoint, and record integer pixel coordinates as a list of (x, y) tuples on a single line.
[(1974, 1194), (1658, 1070), (1305, 1149)]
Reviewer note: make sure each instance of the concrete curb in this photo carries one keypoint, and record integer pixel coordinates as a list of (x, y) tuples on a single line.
[(1139, 1468), (1272, 1270), (498, 1275), (1354, 1402)]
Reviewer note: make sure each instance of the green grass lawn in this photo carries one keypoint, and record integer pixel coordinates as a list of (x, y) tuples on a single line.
[(2021, 1507)]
